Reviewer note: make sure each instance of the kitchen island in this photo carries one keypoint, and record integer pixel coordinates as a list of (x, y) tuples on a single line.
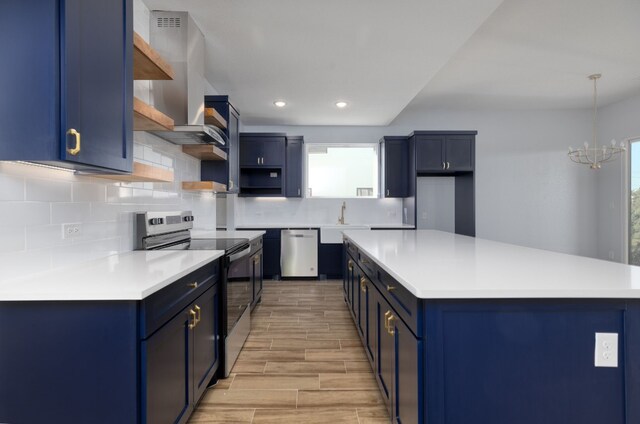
[(464, 330)]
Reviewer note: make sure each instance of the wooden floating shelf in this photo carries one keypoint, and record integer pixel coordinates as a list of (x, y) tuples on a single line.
[(212, 117), (147, 62), (204, 151), (148, 118), (142, 173), (204, 186)]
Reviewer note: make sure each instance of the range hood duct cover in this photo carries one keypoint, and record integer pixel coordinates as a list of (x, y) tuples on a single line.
[(178, 39)]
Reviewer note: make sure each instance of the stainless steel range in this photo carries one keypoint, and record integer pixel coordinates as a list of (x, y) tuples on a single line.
[(172, 231)]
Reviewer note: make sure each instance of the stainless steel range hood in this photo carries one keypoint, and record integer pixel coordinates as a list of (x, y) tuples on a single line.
[(178, 39)]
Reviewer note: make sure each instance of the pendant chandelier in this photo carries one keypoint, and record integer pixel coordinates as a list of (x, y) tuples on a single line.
[(595, 156)]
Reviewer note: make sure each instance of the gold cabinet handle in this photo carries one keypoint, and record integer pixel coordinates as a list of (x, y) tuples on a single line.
[(390, 288), (194, 321), (365, 261), (390, 328), (363, 284), (386, 320), (76, 149), (193, 285), (350, 265), (198, 311)]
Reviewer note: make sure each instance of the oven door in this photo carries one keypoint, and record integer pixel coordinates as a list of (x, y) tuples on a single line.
[(239, 292)]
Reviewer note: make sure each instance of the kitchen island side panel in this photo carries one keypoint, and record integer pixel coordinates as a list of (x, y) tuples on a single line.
[(69, 362), (530, 361)]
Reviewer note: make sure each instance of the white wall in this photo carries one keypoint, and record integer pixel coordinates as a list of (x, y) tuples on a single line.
[(527, 190), (618, 121)]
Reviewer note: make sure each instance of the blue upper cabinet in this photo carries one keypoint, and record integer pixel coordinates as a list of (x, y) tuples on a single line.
[(444, 152), (262, 149), (67, 83), (225, 172), (394, 161), (293, 171)]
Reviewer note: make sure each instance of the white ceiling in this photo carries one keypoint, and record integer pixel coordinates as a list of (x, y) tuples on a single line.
[(381, 55), (538, 54), (374, 54)]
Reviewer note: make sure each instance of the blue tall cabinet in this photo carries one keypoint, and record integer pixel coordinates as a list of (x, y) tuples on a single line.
[(67, 83)]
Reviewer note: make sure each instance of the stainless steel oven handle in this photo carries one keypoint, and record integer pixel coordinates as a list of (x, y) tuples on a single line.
[(239, 255)]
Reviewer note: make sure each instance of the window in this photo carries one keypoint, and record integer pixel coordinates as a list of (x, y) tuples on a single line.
[(634, 203), (342, 170)]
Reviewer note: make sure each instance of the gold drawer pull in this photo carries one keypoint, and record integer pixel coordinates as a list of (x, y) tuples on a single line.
[(193, 285), (76, 149), (363, 284), (194, 321), (390, 328), (350, 265), (198, 311), (386, 320), (390, 288)]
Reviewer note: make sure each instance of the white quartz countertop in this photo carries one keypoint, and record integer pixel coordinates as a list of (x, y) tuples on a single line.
[(127, 276), (210, 234), (316, 225), (439, 265)]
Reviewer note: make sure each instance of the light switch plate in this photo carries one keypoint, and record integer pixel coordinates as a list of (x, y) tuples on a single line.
[(606, 352)]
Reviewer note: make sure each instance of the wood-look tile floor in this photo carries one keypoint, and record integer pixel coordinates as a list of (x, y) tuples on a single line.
[(302, 363)]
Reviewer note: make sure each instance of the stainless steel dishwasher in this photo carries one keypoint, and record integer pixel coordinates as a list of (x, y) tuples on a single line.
[(299, 253)]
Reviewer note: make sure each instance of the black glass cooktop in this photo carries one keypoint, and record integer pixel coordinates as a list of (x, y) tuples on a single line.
[(228, 245)]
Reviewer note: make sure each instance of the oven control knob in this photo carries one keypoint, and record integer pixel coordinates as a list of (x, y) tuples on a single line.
[(188, 219), (156, 221)]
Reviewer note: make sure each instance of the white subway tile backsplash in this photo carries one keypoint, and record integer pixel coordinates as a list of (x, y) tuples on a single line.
[(48, 190), (70, 212), (89, 192), (25, 213), (37, 201), (11, 187), (41, 236), (13, 238)]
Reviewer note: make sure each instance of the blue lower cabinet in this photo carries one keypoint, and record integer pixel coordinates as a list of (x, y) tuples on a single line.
[(206, 340), (370, 335), (145, 362), (166, 385), (406, 402), (330, 260)]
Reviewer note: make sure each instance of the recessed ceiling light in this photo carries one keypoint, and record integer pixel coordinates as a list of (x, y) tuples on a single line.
[(280, 103), (341, 104)]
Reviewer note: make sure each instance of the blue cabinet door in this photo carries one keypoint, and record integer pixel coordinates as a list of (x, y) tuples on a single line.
[(250, 152), (233, 150), (370, 320), (430, 153), (166, 381), (97, 82), (385, 346), (72, 62), (293, 170), (361, 314), (407, 369), (273, 152), (460, 152), (395, 157), (225, 172), (206, 340)]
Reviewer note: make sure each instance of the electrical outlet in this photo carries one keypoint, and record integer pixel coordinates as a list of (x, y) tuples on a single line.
[(71, 230), (606, 352)]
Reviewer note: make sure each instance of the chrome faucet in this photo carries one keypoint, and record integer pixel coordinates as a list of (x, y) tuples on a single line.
[(342, 209)]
